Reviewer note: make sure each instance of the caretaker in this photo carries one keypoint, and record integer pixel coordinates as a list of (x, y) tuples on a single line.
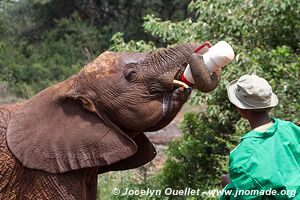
[(266, 163)]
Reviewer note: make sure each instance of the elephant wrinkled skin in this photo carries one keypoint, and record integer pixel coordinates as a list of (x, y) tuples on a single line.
[(54, 145)]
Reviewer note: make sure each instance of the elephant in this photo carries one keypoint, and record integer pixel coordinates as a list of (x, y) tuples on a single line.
[(54, 145)]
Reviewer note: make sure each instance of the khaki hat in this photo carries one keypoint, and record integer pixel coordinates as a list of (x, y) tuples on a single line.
[(251, 92)]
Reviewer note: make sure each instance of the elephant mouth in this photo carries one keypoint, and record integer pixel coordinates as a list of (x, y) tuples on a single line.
[(172, 101), (179, 74), (177, 79), (172, 98), (168, 84), (168, 97), (166, 104)]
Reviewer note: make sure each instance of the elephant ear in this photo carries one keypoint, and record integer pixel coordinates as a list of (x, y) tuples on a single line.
[(145, 153), (54, 133)]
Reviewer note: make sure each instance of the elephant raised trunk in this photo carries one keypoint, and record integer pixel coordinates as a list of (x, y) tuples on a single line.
[(174, 60)]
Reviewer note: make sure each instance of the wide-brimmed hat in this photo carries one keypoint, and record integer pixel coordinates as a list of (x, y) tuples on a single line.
[(251, 92)]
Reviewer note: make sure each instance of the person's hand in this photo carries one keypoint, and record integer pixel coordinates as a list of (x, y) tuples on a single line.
[(225, 179)]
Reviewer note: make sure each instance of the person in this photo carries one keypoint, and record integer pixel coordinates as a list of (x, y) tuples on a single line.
[(266, 163)]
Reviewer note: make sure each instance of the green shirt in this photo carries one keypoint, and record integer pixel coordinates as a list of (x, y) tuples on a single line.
[(264, 163)]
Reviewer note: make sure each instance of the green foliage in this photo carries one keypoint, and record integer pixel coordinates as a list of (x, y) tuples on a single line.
[(30, 68), (168, 31), (118, 44), (281, 66), (32, 18), (248, 23), (108, 181)]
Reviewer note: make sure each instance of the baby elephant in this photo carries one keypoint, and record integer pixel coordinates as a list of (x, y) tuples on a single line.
[(54, 145)]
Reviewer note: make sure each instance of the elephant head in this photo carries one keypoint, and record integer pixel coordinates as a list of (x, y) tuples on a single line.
[(97, 117)]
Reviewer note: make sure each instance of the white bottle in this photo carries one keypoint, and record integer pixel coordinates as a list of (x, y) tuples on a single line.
[(218, 55)]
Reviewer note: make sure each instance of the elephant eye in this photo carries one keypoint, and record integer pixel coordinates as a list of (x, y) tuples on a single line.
[(130, 74)]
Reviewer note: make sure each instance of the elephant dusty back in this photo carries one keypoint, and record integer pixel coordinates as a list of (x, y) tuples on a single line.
[(19, 182)]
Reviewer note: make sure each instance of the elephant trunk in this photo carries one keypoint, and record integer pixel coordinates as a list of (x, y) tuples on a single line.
[(204, 81), (177, 58)]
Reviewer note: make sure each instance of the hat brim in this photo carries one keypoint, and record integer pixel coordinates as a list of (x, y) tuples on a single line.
[(234, 100)]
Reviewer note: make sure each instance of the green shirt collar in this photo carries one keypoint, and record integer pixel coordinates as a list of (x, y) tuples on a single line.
[(270, 131)]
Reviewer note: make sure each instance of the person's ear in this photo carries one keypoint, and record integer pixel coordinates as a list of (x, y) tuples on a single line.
[(242, 112)]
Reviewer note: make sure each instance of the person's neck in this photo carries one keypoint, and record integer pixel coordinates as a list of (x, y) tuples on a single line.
[(259, 119)]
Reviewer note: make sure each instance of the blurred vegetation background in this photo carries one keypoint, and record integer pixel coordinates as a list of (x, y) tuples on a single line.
[(45, 41)]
